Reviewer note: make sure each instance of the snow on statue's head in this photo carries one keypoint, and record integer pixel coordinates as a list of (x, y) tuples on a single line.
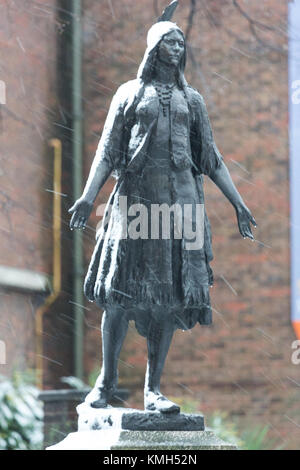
[(156, 34)]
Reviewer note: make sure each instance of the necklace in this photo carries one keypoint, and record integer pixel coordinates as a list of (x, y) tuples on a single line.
[(164, 92)]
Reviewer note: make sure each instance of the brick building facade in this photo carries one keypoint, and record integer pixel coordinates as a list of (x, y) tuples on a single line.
[(242, 363), (30, 35)]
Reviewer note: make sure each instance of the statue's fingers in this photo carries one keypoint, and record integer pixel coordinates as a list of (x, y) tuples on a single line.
[(249, 233), (245, 230), (253, 221), (242, 226), (241, 230), (72, 209), (81, 222), (76, 221), (72, 221)]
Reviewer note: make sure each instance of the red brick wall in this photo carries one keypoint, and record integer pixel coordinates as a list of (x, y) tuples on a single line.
[(28, 41), (242, 364)]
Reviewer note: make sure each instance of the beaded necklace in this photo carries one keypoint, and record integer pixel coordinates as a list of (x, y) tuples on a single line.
[(164, 92)]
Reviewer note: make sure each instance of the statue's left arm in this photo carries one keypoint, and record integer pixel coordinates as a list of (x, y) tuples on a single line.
[(212, 164), (221, 177)]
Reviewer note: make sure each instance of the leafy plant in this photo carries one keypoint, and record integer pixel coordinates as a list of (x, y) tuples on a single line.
[(21, 413), (257, 439), (252, 438), (224, 429)]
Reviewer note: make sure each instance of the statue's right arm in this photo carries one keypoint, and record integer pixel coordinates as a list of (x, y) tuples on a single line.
[(100, 170), (105, 160)]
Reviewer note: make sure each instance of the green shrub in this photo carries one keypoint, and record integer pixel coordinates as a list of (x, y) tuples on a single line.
[(251, 438), (21, 413), (257, 438), (224, 428)]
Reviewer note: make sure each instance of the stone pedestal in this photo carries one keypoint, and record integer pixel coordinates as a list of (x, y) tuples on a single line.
[(113, 439), (129, 429)]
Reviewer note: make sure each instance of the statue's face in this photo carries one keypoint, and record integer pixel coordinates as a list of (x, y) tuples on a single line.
[(171, 48)]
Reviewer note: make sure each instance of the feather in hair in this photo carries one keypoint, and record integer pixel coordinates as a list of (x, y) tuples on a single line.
[(168, 12)]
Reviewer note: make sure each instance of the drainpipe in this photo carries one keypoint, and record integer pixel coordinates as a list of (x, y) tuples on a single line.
[(56, 263), (77, 184)]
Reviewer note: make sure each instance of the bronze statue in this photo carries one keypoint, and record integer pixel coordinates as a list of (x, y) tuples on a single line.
[(158, 141)]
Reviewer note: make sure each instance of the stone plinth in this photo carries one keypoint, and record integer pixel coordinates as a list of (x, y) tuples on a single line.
[(114, 439), (129, 429)]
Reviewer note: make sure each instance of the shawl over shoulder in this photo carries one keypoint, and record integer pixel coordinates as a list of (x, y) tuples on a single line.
[(116, 132)]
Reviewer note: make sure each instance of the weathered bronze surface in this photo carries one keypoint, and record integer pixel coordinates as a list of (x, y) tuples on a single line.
[(158, 143)]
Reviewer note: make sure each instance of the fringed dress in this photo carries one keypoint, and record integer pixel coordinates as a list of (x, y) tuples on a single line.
[(147, 275)]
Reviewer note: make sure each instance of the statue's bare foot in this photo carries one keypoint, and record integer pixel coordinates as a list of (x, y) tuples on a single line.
[(99, 397), (155, 401)]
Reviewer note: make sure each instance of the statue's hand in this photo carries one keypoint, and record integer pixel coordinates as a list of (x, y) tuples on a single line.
[(81, 211), (244, 218)]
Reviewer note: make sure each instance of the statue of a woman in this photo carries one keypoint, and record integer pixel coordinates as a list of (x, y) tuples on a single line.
[(158, 142)]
